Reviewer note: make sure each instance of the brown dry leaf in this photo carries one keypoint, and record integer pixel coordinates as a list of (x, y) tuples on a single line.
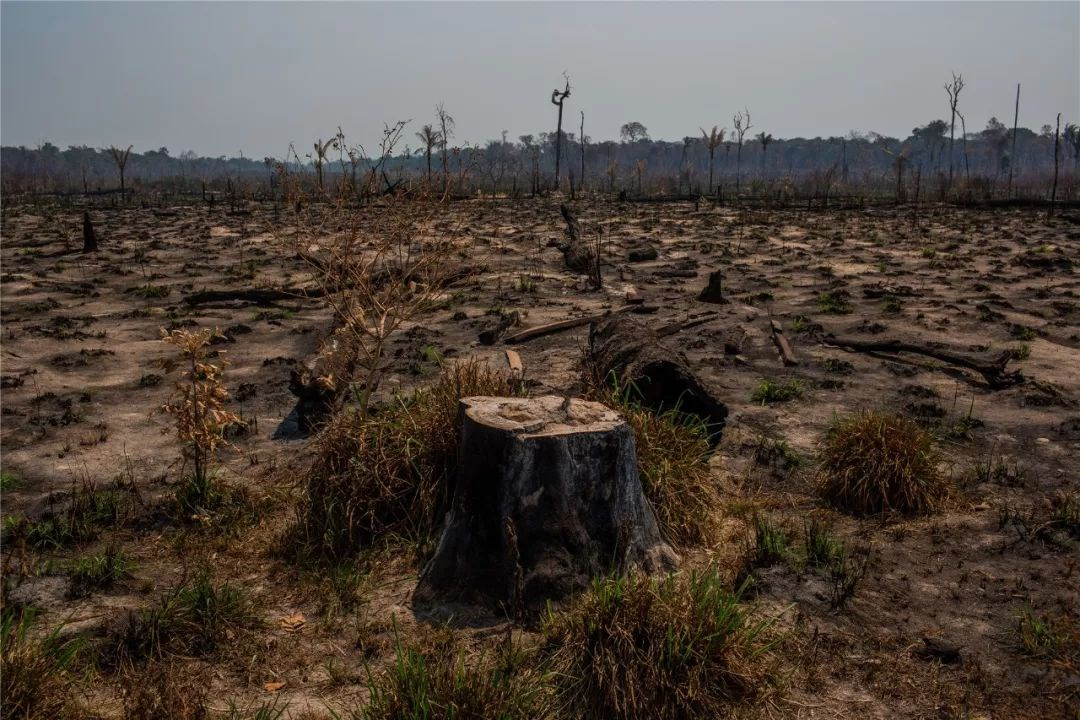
[(294, 622), (273, 687)]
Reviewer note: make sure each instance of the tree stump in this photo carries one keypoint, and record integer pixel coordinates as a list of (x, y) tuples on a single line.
[(547, 496)]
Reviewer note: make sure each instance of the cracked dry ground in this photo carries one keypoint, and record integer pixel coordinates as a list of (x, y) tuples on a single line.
[(81, 383)]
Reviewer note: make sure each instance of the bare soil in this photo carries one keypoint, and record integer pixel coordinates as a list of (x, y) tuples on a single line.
[(82, 382)]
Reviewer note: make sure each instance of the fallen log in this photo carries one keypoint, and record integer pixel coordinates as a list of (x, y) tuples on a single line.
[(257, 296), (782, 344), (627, 352), (992, 369), (547, 496), (550, 328)]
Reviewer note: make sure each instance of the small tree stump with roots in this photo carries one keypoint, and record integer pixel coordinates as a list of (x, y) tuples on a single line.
[(547, 496)]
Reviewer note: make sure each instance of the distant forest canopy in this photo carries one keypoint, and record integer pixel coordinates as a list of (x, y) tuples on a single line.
[(635, 164)]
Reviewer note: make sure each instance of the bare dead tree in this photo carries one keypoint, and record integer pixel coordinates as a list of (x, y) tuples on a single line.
[(963, 136), (446, 129), (581, 138), (742, 124), (89, 238), (120, 157), (712, 139), (557, 99), (953, 91), (1057, 155), (430, 137), (1012, 156)]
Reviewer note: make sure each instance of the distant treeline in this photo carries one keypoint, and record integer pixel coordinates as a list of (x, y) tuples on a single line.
[(637, 165)]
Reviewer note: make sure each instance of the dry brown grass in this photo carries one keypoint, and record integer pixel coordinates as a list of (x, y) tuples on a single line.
[(391, 472), (875, 462), (635, 647), (672, 457)]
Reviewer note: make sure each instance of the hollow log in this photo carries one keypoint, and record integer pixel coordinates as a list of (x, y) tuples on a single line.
[(547, 496), (630, 353)]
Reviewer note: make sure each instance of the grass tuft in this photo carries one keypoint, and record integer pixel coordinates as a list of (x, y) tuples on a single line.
[(771, 391), (635, 647), (875, 462), (35, 679), (437, 683), (197, 617)]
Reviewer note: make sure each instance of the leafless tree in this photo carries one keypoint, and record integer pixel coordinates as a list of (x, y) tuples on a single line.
[(712, 139), (446, 130), (742, 124), (1012, 155), (582, 139), (120, 157), (430, 137), (953, 91), (1057, 155), (557, 99)]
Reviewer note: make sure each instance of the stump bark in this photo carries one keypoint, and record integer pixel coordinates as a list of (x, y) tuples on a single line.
[(547, 496)]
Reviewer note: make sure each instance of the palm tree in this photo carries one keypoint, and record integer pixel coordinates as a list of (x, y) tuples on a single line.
[(120, 157), (321, 149), (712, 139), (430, 137), (764, 139)]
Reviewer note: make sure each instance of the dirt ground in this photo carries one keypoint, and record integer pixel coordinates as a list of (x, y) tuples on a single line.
[(82, 382)]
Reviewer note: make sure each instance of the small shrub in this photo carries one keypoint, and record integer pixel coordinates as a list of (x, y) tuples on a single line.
[(438, 684), (876, 462), (35, 682), (835, 365), (390, 472), (164, 690), (891, 305), (770, 391), (1020, 352), (9, 481), (834, 302), (846, 572), (1047, 637), (1066, 513), (635, 647)]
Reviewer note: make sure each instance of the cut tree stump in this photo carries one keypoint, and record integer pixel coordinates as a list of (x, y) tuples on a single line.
[(546, 497)]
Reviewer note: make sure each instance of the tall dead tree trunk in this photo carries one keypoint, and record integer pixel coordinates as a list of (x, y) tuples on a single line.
[(581, 137), (89, 239), (558, 98), (953, 91), (546, 497), (1012, 156), (120, 157), (1057, 154)]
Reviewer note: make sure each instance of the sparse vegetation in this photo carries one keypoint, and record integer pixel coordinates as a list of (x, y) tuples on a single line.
[(37, 670)]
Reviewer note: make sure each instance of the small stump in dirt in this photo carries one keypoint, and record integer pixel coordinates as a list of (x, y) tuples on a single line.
[(547, 496)]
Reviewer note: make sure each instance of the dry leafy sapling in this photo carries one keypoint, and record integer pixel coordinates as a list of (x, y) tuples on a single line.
[(198, 407)]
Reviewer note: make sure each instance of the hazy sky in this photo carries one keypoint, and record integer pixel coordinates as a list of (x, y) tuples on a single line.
[(221, 78)]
